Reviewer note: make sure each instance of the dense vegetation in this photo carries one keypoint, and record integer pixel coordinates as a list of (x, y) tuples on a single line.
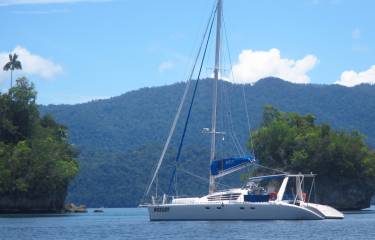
[(344, 163), (36, 160), (120, 139)]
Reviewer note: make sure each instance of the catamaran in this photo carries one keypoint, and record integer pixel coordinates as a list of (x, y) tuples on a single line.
[(280, 196)]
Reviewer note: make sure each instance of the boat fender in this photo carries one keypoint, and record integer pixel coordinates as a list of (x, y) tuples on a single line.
[(273, 196), (304, 196)]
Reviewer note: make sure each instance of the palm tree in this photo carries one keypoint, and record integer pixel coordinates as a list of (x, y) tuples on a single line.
[(12, 65)]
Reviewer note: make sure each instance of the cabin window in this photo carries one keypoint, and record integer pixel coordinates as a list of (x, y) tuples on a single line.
[(222, 197)]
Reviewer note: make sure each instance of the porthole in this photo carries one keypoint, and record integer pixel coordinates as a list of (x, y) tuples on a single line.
[(242, 208), (207, 207)]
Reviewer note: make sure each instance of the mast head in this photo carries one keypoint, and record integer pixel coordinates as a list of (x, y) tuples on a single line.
[(219, 13)]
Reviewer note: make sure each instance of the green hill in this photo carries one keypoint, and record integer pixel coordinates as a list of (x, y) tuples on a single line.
[(121, 138)]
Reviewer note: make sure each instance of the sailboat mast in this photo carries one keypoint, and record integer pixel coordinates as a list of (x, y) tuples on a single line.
[(219, 11)]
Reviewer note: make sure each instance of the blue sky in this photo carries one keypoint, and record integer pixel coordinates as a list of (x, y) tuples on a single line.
[(78, 50)]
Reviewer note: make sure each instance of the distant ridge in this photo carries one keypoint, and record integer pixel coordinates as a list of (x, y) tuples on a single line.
[(120, 138)]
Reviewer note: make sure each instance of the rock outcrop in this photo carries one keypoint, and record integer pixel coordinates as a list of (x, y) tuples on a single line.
[(72, 208), (33, 202), (345, 194)]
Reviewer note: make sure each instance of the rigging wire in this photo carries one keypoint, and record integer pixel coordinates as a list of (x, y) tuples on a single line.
[(232, 131), (245, 105), (228, 118), (200, 177), (232, 134), (191, 106), (227, 105), (182, 103), (174, 124), (268, 168), (243, 91)]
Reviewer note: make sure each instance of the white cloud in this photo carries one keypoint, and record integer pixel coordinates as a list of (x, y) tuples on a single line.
[(356, 33), (352, 78), (41, 12), (332, 2), (164, 66), (255, 65), (23, 2), (31, 64), (360, 48)]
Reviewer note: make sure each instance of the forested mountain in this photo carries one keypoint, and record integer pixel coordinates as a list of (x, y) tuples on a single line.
[(121, 138)]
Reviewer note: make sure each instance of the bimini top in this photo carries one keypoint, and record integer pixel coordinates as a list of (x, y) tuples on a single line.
[(222, 166), (278, 176), (268, 177)]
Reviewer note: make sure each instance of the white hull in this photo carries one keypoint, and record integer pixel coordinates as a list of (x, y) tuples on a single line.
[(233, 211)]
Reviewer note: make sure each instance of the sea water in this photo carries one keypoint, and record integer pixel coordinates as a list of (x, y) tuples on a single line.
[(134, 224)]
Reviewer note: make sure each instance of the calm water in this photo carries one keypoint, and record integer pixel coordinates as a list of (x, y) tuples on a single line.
[(134, 224)]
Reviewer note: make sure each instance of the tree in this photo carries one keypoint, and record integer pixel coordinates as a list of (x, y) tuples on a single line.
[(344, 163), (36, 161), (18, 112), (12, 65)]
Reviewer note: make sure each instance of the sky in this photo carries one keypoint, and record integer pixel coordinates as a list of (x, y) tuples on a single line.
[(80, 50)]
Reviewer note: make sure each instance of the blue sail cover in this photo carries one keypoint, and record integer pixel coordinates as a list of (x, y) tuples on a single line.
[(219, 166)]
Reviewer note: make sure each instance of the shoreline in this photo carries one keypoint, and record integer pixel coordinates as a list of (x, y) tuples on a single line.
[(89, 210)]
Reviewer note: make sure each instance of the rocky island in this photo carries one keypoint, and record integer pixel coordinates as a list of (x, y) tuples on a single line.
[(345, 164), (36, 161)]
